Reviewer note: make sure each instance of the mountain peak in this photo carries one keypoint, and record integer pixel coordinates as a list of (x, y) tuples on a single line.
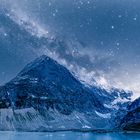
[(41, 64), (44, 58), (48, 70)]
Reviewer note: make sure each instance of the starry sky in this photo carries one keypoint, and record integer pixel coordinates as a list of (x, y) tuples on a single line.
[(98, 38)]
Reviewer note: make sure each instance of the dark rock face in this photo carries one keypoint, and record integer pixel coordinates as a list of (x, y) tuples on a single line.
[(131, 121), (47, 97)]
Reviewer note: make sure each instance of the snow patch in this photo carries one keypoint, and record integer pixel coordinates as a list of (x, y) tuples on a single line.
[(108, 106), (107, 115), (119, 99), (86, 126)]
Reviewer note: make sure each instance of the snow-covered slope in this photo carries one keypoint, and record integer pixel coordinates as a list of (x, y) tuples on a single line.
[(45, 96)]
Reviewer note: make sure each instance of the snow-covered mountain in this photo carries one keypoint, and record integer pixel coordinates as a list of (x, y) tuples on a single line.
[(45, 96)]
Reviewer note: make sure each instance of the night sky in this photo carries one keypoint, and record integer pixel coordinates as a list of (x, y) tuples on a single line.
[(98, 39)]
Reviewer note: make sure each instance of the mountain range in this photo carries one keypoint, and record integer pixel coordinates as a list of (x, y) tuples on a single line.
[(45, 96)]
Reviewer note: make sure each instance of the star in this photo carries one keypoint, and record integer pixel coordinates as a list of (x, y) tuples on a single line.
[(135, 18), (119, 16), (112, 27), (118, 44)]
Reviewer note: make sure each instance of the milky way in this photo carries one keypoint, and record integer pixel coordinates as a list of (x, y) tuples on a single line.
[(98, 39)]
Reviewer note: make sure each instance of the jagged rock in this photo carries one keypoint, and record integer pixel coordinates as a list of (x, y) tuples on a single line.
[(131, 121)]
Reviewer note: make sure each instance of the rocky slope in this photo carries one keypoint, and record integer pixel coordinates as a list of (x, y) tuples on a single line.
[(131, 121)]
